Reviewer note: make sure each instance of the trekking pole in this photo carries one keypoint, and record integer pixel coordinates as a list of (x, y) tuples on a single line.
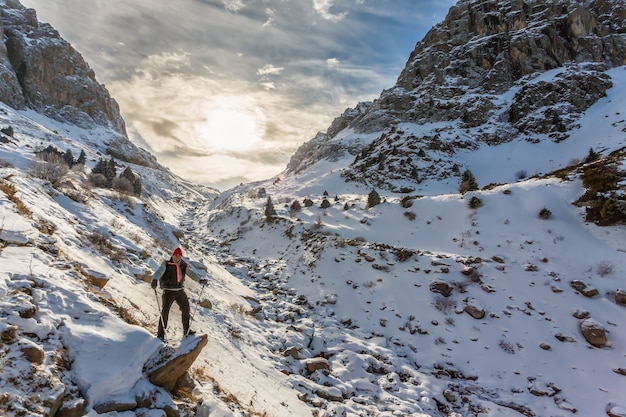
[(196, 307), (161, 316)]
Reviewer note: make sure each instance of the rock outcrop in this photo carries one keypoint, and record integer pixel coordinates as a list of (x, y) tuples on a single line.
[(40, 70), (169, 365)]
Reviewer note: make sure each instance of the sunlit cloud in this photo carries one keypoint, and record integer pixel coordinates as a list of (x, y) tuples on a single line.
[(233, 5), (269, 70), (322, 7), (270, 17), (332, 62), (268, 85)]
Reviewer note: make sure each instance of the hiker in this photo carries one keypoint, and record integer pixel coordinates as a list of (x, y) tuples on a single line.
[(171, 274)]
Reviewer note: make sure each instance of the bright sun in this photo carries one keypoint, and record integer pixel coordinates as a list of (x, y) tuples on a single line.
[(233, 126)]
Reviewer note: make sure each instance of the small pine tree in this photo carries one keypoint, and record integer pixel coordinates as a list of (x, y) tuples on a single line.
[(475, 202), (82, 158), (68, 158), (270, 212), (134, 179), (545, 213), (294, 207), (373, 199), (468, 182), (106, 168), (591, 156)]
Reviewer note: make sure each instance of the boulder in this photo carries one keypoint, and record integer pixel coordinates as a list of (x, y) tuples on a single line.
[(75, 408), (31, 351), (168, 365), (314, 364), (475, 311), (620, 297), (96, 278), (593, 332), (441, 287)]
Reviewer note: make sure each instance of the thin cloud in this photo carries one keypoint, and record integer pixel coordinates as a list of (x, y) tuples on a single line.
[(269, 70), (332, 62), (271, 16), (323, 8), (233, 5)]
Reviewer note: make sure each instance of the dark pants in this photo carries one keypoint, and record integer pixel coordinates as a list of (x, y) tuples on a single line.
[(169, 297)]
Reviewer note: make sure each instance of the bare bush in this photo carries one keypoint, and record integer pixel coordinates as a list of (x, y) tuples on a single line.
[(444, 304), (123, 185), (545, 213), (98, 180), (51, 168), (605, 268), (507, 346), (410, 215)]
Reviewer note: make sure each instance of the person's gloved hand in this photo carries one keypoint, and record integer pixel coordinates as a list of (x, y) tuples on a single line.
[(203, 281), (153, 284)]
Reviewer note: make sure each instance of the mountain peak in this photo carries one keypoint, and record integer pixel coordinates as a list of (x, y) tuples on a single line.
[(476, 78)]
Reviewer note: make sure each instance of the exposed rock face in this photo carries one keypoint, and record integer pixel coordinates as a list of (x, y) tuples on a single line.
[(492, 44), (455, 76), (40, 70)]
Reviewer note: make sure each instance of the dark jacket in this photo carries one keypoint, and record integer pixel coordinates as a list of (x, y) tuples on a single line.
[(172, 276)]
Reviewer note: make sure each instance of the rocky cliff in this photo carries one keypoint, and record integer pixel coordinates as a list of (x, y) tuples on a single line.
[(478, 70), (42, 71)]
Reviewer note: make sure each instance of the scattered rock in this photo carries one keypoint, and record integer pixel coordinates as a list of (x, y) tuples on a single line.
[(475, 311), (564, 405), (31, 351), (7, 333), (96, 278), (114, 406), (621, 371), (75, 408), (314, 364), (541, 389), (54, 398), (581, 314), (449, 395), (293, 352), (545, 346), (583, 288), (441, 287), (488, 288), (563, 338), (620, 297), (593, 332), (615, 410)]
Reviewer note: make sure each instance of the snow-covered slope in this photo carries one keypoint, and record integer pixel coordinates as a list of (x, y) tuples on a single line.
[(362, 287)]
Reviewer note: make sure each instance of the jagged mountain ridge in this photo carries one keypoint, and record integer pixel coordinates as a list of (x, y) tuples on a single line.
[(474, 72)]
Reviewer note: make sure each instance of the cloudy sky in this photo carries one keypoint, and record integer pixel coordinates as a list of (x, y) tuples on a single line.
[(224, 91)]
